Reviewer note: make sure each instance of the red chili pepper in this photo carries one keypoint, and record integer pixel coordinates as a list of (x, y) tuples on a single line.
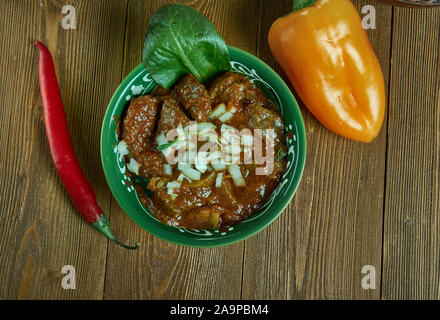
[(61, 149)]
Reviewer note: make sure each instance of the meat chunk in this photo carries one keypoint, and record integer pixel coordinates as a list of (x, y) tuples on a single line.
[(260, 117), (235, 89), (150, 164), (171, 116), (139, 123), (194, 98), (222, 83), (163, 94)]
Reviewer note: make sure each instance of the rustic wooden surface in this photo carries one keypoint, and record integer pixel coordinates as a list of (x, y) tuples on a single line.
[(358, 204)]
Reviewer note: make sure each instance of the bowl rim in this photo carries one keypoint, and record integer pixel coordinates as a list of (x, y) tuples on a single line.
[(285, 200)]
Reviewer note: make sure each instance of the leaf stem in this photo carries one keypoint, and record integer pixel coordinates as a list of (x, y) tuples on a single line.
[(301, 4)]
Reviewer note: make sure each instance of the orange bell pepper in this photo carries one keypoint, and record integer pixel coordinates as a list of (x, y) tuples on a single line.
[(329, 59)]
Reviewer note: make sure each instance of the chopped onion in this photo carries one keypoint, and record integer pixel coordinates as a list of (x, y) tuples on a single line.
[(133, 166), (203, 156), (171, 186), (123, 148), (232, 109), (218, 180), (205, 126), (192, 146), (201, 161), (218, 111), (218, 166), (230, 140), (202, 167), (226, 116), (234, 149), (183, 165), (229, 136), (211, 135), (189, 157), (223, 140), (247, 140), (180, 130), (192, 173), (164, 146), (214, 155), (235, 172), (167, 169), (191, 129), (227, 127), (182, 176), (161, 139), (231, 158), (166, 152)]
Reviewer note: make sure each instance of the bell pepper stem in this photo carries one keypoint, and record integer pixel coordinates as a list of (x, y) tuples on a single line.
[(301, 4), (103, 226)]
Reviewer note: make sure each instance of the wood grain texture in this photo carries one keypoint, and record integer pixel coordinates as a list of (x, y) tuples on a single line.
[(40, 230), (412, 223), (161, 270), (333, 226), (351, 193)]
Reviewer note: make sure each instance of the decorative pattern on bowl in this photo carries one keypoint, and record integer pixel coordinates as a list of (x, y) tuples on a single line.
[(140, 83)]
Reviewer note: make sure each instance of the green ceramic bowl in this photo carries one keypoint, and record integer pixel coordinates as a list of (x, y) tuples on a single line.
[(138, 82)]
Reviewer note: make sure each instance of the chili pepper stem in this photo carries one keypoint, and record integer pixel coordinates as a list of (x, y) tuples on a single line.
[(103, 226)]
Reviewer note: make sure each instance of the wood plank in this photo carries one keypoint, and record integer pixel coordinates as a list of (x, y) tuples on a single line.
[(316, 249), (159, 270), (333, 227), (411, 226), (40, 230)]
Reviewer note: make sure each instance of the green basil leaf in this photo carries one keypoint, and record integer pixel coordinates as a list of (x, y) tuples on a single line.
[(181, 40)]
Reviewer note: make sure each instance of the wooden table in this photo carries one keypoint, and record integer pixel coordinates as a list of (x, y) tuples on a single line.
[(374, 204)]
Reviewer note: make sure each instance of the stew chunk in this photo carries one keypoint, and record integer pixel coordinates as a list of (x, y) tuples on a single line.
[(171, 116), (139, 123), (237, 90), (194, 98), (150, 163), (260, 117)]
